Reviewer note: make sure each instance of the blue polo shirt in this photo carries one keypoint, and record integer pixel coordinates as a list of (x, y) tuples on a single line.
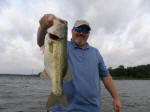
[(83, 90)]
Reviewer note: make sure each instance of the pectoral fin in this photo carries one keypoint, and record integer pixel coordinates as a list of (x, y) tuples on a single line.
[(44, 74)]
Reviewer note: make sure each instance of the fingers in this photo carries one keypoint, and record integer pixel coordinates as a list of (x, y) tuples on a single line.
[(117, 108), (47, 20)]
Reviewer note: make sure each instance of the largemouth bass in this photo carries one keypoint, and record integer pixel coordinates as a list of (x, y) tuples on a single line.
[(55, 61)]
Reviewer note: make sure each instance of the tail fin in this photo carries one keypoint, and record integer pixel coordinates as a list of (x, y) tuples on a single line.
[(53, 100)]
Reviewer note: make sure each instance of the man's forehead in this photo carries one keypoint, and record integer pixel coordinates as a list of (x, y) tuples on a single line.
[(84, 26)]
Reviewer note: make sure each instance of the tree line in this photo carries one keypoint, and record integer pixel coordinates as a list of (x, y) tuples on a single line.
[(138, 72)]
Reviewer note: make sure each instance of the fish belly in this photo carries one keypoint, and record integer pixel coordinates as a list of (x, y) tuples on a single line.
[(57, 65)]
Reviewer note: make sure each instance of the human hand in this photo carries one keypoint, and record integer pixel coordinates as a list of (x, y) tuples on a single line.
[(47, 20), (117, 105)]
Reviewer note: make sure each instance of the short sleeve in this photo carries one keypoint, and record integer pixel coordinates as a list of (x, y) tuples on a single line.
[(103, 72)]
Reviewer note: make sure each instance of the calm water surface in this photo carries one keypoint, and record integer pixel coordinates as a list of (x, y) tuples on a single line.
[(29, 94)]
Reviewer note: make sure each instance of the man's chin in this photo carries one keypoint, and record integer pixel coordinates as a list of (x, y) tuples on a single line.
[(80, 43), (81, 37)]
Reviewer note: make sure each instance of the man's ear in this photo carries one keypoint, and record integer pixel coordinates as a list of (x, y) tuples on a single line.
[(72, 30)]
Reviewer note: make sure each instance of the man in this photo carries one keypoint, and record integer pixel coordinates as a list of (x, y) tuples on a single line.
[(88, 69)]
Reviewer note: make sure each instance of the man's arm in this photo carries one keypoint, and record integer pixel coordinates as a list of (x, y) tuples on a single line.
[(45, 22), (108, 82), (41, 36)]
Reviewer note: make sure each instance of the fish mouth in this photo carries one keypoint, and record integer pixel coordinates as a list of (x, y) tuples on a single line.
[(54, 37)]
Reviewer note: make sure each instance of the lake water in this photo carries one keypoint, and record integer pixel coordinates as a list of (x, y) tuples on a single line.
[(29, 94)]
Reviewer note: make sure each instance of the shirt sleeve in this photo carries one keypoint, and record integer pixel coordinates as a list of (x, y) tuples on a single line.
[(103, 72)]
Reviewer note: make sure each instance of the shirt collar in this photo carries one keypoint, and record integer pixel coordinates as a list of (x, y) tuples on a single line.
[(75, 46)]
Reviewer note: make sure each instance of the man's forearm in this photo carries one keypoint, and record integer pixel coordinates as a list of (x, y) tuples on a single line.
[(108, 82)]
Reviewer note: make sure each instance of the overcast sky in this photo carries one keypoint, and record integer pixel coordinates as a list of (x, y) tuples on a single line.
[(120, 30)]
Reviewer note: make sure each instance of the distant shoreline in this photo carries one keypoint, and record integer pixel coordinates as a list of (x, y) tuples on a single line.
[(20, 75), (129, 78)]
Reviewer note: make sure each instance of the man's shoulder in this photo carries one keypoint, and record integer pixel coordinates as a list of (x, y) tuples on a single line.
[(93, 48), (96, 51)]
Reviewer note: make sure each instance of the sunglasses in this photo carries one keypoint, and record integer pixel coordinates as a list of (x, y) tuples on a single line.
[(82, 29)]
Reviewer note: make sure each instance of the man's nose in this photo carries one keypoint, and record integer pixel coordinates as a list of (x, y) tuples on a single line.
[(82, 33)]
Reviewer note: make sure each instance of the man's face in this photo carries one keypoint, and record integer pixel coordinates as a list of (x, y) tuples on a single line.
[(79, 36)]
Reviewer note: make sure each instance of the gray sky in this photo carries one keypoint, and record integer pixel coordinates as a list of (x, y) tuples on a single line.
[(120, 30)]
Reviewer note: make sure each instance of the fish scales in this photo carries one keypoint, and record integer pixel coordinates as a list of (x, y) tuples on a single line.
[(60, 65)]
